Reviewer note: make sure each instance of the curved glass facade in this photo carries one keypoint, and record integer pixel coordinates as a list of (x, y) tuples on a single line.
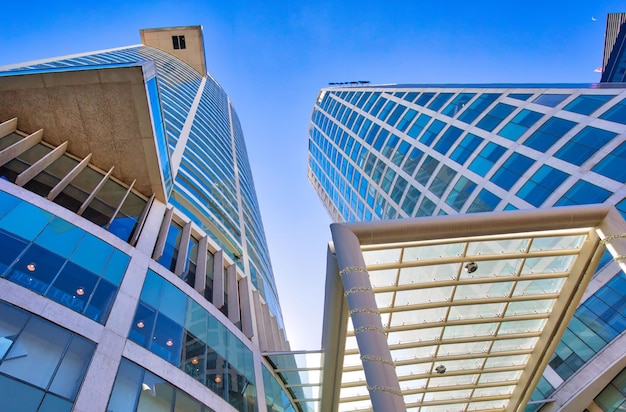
[(387, 152), (214, 170), (123, 289)]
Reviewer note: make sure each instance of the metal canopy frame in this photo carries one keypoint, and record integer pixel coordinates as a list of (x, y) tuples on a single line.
[(457, 313)]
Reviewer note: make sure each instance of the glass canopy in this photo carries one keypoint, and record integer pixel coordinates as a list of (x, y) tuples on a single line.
[(470, 320)]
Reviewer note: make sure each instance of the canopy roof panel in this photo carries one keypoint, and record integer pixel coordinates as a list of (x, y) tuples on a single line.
[(470, 321)]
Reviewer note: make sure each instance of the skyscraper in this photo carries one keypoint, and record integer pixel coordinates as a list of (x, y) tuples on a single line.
[(614, 58), (134, 271), (399, 151)]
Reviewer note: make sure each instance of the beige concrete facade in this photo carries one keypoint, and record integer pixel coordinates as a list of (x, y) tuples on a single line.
[(192, 54), (102, 112)]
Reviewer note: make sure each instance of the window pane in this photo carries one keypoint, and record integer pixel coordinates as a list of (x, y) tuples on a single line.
[(25, 220), (587, 104), (126, 387), (60, 237), (584, 145), (10, 250), (73, 287), (36, 269), (68, 378), (37, 352), (550, 100), (18, 397)]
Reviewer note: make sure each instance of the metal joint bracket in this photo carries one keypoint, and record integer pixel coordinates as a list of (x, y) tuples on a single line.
[(356, 290), (352, 269), (377, 359), (369, 329), (612, 237), (364, 310), (381, 389)]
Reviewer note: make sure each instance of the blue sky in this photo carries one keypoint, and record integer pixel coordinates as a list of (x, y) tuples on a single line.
[(272, 57)]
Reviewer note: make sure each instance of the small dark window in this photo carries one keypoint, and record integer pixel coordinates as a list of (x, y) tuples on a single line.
[(178, 42)]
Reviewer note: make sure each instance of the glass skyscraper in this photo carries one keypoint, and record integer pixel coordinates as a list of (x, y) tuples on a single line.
[(400, 151), (134, 271)]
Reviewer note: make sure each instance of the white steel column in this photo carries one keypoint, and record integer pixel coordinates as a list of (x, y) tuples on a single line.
[(380, 374)]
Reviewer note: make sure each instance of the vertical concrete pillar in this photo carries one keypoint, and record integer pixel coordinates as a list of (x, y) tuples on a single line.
[(380, 374), (218, 279)]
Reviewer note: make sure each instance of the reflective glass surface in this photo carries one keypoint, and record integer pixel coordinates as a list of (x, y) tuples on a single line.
[(174, 327), (41, 365), (60, 260), (137, 389)]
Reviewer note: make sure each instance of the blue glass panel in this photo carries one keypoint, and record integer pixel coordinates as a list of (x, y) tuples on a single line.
[(464, 150), (60, 237), (25, 220), (432, 132), (541, 185), (395, 115), (36, 269), (151, 292), (400, 154), (550, 99), (406, 120), (460, 193), (173, 303), (73, 287), (439, 101), (7, 202), (584, 145), (457, 104), (588, 103), (484, 202), (92, 253), (495, 116), (410, 96), (549, 133), (167, 339), (116, 267), (11, 248), (412, 160), (512, 169), (101, 301), (490, 154), (612, 165), (425, 98), (410, 200), (480, 104), (617, 113), (583, 193), (379, 104), (520, 96), (442, 180), (448, 138), (519, 124), (418, 126), (426, 170)]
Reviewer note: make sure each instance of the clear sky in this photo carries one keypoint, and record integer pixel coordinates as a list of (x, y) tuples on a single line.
[(272, 57)]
